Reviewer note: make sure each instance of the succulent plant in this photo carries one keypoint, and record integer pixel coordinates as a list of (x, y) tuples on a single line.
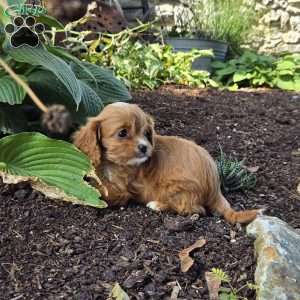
[(233, 174)]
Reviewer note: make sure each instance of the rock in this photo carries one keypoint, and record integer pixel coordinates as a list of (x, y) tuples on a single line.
[(291, 37), (293, 9), (277, 247), (295, 23)]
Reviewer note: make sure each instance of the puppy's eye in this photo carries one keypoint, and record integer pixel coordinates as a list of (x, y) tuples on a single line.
[(148, 135), (123, 133)]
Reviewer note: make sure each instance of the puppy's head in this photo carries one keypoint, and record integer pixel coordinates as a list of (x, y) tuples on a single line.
[(122, 134)]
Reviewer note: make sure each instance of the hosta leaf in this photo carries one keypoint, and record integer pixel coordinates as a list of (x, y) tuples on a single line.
[(240, 76), (8, 121), (92, 102), (286, 65), (106, 85), (109, 88), (46, 85), (285, 84), (49, 21), (41, 57), (56, 163), (10, 91)]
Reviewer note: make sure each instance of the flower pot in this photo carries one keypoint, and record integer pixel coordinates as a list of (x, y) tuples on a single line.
[(203, 63)]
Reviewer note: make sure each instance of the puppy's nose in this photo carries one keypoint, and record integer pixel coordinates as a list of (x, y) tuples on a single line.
[(142, 148)]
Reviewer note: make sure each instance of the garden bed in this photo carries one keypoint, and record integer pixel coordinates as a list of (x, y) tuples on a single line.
[(53, 250)]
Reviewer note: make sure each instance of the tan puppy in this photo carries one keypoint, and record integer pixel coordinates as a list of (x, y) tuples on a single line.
[(165, 173)]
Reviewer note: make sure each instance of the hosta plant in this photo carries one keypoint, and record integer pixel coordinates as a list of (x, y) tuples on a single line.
[(53, 167), (233, 175), (56, 77), (255, 70)]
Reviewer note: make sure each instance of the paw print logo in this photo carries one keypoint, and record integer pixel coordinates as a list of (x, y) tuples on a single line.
[(24, 31)]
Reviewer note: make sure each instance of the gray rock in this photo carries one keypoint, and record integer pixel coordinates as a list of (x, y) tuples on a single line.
[(277, 247), (291, 37), (295, 23)]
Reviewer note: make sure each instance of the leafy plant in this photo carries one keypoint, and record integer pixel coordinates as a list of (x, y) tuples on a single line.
[(229, 21), (230, 293), (141, 65), (254, 70), (49, 165), (56, 77), (233, 175)]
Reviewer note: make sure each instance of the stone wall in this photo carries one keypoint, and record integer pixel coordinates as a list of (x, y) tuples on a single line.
[(278, 29), (279, 26)]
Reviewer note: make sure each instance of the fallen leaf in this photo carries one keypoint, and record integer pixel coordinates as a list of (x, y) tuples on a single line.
[(213, 284), (298, 188), (296, 152), (184, 255), (118, 293)]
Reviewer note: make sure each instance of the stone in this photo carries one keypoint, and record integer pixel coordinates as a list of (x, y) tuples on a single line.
[(293, 9), (291, 37), (277, 247), (284, 19), (266, 2), (295, 23)]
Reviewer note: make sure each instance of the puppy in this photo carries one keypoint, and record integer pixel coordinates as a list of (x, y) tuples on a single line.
[(163, 172)]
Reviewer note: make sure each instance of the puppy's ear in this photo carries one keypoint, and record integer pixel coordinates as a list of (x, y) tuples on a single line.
[(88, 140), (151, 124)]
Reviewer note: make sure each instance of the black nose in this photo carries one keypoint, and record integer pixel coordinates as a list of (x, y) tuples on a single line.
[(142, 148)]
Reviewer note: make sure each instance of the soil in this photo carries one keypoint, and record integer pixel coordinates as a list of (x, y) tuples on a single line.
[(53, 250)]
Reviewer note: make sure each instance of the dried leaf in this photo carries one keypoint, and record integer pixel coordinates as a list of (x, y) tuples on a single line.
[(118, 293), (298, 188), (185, 260), (213, 284)]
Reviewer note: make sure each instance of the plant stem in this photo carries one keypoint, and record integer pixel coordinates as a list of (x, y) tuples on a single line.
[(24, 85)]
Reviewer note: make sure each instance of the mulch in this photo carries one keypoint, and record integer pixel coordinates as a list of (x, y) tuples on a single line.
[(53, 250)]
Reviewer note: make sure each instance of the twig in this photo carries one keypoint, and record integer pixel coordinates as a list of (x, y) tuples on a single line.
[(24, 85)]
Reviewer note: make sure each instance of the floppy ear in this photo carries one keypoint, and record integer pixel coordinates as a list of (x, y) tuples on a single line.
[(88, 140), (151, 124)]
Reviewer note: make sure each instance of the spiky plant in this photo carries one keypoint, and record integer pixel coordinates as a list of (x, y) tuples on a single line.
[(233, 174)]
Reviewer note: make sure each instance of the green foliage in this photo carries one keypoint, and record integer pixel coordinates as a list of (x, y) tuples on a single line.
[(142, 65), (230, 21), (55, 163), (230, 293), (220, 275), (233, 175), (255, 70), (149, 66), (58, 78), (10, 91)]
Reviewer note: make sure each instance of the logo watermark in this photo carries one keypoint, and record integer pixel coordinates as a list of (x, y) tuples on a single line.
[(24, 29), (29, 8)]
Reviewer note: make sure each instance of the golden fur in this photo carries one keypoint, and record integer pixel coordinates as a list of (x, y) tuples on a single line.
[(174, 174)]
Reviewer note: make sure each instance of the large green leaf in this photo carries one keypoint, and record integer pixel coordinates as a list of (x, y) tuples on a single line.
[(90, 100), (10, 91), (109, 88), (49, 21), (55, 163), (106, 85), (48, 87), (8, 121), (41, 57)]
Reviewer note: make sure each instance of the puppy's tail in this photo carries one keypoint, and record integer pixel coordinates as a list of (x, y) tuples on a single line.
[(223, 207)]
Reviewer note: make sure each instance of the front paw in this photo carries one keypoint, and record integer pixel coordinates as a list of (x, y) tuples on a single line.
[(154, 205)]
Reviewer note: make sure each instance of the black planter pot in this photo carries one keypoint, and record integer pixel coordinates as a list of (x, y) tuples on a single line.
[(203, 63)]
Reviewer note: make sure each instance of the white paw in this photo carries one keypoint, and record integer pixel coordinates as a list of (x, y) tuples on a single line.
[(153, 205)]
